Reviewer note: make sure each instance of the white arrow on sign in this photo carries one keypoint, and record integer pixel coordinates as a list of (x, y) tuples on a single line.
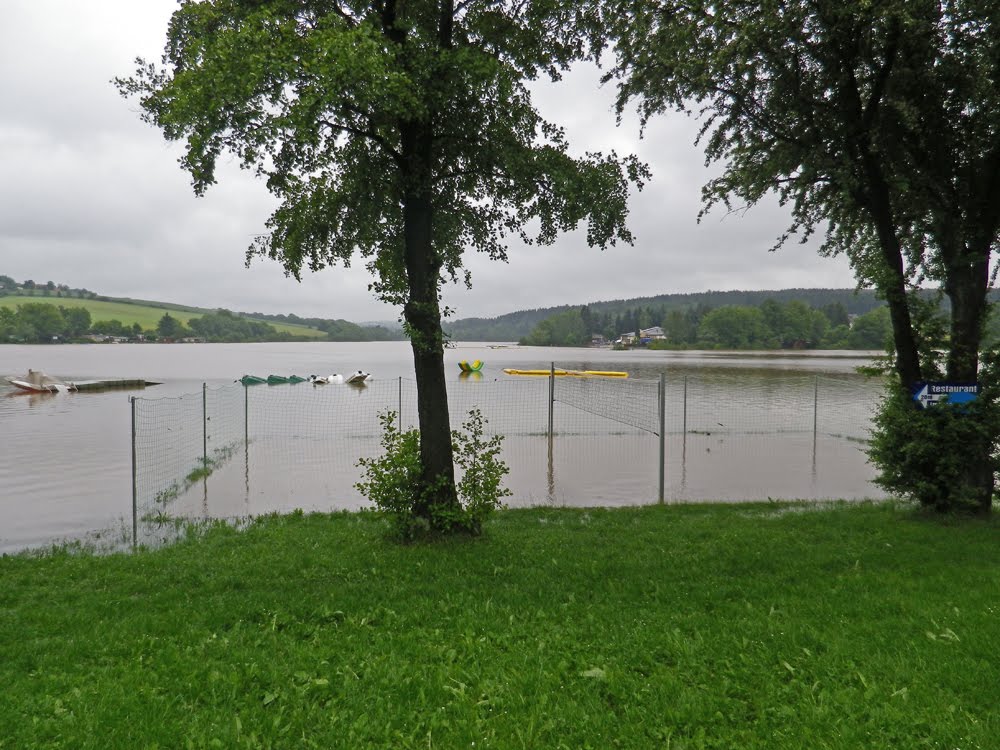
[(927, 399)]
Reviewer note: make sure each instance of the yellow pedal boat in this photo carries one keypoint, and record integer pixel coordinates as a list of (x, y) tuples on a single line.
[(569, 373)]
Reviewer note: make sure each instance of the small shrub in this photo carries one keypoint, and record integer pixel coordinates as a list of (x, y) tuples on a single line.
[(480, 489), (393, 483), (943, 457)]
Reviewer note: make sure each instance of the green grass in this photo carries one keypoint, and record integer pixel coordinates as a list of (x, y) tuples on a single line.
[(145, 315), (765, 626)]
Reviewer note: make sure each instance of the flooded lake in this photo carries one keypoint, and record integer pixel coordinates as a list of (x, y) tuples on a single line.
[(736, 426)]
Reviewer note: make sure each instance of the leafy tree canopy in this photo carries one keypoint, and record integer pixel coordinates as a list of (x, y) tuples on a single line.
[(315, 97), (169, 327), (875, 122), (399, 130)]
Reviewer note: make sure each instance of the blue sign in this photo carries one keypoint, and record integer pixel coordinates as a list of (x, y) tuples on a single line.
[(930, 393)]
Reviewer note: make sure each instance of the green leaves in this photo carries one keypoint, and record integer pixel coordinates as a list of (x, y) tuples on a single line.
[(392, 481), (941, 457), (868, 121), (316, 99)]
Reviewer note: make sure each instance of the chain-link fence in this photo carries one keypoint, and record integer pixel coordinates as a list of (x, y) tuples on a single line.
[(241, 451)]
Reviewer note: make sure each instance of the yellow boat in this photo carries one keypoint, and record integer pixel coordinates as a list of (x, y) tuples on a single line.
[(569, 373)]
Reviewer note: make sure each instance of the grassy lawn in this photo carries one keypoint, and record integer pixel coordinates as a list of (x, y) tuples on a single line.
[(763, 626), (146, 316)]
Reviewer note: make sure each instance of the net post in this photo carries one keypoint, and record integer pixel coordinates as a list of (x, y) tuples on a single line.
[(815, 413), (552, 397), (399, 411), (135, 513), (684, 428), (204, 425), (246, 416), (662, 394)]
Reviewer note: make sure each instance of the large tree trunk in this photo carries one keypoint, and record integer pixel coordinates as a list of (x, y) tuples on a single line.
[(422, 311), (966, 286), (423, 317), (892, 280)]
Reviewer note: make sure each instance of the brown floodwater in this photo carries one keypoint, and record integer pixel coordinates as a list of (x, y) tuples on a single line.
[(736, 427)]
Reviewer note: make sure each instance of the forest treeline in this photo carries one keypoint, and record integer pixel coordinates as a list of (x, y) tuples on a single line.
[(772, 325), (786, 318), (643, 312), (337, 330), (44, 322)]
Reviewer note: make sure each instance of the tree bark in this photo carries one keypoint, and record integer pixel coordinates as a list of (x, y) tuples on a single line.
[(423, 317), (892, 282), (967, 280), (966, 288)]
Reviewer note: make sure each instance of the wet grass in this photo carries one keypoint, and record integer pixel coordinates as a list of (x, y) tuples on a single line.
[(766, 626)]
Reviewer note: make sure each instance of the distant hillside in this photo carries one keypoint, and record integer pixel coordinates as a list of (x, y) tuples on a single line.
[(516, 325), (146, 313)]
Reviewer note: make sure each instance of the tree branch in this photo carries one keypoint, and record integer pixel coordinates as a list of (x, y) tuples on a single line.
[(872, 107), (367, 134), (352, 22)]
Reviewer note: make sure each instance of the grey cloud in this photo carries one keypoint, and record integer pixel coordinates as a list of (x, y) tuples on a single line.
[(92, 197)]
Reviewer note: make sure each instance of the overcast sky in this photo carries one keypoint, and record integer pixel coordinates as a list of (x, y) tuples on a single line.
[(91, 197)]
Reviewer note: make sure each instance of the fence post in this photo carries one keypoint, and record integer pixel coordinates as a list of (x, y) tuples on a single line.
[(399, 413), (135, 509), (552, 400), (663, 429), (684, 428), (815, 413), (815, 406), (204, 425), (552, 396), (246, 444)]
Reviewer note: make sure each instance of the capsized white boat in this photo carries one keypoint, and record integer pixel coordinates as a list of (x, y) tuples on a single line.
[(334, 379), (358, 378), (37, 381)]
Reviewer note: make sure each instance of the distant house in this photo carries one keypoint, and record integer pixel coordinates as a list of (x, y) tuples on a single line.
[(597, 339), (644, 336)]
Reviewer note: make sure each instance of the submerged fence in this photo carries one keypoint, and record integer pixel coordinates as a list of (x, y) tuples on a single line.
[(238, 451)]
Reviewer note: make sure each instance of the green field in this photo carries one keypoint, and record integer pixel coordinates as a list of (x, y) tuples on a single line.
[(146, 315), (766, 626)]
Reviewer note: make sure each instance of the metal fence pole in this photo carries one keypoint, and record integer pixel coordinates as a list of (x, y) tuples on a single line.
[(663, 429), (135, 508), (246, 443), (204, 424), (684, 428), (815, 414), (552, 400), (552, 397), (399, 414)]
